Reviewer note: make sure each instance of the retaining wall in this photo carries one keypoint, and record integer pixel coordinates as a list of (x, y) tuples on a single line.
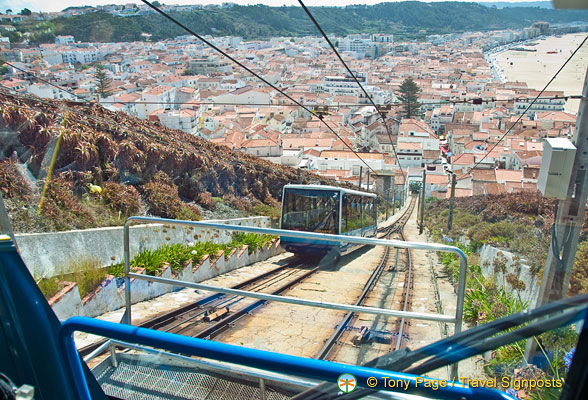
[(110, 295), (488, 255), (49, 254)]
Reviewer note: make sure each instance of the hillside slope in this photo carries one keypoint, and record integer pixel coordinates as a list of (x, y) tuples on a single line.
[(140, 167), (408, 20)]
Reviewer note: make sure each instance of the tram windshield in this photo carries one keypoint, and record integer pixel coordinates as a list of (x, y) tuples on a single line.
[(311, 210)]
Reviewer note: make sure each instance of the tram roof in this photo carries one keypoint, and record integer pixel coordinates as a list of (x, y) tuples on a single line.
[(327, 187)]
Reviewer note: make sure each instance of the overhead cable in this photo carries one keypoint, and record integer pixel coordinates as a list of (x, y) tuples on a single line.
[(211, 45), (529, 106), (43, 80), (380, 112)]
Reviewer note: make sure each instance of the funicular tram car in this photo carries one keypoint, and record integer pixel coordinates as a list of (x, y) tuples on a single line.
[(326, 209)]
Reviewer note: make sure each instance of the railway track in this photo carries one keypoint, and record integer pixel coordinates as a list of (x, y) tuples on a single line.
[(347, 333), (210, 309), (217, 313)]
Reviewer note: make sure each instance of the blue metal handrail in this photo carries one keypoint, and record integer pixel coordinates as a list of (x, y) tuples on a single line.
[(286, 364)]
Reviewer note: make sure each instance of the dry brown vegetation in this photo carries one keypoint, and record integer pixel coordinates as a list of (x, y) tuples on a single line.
[(123, 155), (519, 222)]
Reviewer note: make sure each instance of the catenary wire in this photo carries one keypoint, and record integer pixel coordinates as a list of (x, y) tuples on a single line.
[(335, 106), (43, 80), (530, 105), (315, 22), (223, 53), (105, 121)]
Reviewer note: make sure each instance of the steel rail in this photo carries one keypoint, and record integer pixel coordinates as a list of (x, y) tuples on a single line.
[(325, 350), (298, 301), (223, 324), (219, 302), (407, 289), (94, 349), (457, 319), (322, 354)]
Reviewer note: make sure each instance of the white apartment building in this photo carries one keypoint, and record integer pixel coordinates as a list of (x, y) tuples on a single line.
[(244, 95), (348, 161), (159, 97), (66, 39), (48, 92), (184, 120), (359, 45), (82, 56), (342, 85), (547, 102)]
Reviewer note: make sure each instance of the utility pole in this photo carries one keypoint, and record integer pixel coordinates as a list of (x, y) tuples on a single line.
[(360, 172), (451, 201), (299, 176), (423, 202), (368, 181), (393, 196), (568, 219), (387, 203)]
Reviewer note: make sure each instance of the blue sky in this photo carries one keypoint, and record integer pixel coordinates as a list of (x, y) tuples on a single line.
[(58, 5)]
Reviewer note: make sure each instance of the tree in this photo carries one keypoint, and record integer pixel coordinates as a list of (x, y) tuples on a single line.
[(408, 96), (156, 4), (3, 70), (25, 11), (103, 82)]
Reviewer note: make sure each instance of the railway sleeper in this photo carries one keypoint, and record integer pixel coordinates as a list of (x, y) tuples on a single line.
[(361, 337), (216, 315)]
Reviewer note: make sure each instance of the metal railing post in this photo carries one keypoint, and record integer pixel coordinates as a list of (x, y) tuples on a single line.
[(262, 388), (457, 320), (127, 254), (463, 265)]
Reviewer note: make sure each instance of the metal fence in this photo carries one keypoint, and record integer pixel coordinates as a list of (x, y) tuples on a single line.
[(456, 320)]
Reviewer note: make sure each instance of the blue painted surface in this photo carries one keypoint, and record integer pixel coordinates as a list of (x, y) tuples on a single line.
[(275, 362), (312, 246), (29, 348)]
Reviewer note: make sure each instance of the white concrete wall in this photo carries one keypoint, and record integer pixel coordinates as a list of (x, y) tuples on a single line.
[(532, 282), (110, 295), (106, 244)]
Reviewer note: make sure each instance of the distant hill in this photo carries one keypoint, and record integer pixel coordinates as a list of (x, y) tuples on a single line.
[(407, 20), (506, 4)]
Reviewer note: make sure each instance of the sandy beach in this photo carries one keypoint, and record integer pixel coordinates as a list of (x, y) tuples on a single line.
[(537, 68)]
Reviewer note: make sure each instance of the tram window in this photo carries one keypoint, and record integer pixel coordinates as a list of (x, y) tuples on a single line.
[(353, 213), (311, 210), (344, 213), (368, 215)]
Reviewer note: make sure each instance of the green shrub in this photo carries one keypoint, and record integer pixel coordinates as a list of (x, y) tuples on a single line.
[(499, 233), (88, 273), (50, 286), (150, 260), (177, 255), (188, 213), (266, 210), (117, 270), (253, 240), (488, 302), (579, 279)]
